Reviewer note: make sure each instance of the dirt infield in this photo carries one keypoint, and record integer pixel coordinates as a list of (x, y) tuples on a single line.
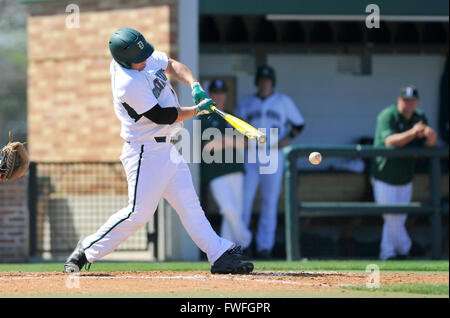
[(27, 283)]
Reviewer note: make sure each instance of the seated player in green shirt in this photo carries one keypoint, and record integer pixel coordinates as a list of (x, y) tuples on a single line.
[(399, 125), (224, 178)]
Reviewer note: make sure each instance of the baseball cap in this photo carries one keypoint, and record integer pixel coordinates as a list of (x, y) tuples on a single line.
[(218, 86), (266, 72), (409, 92)]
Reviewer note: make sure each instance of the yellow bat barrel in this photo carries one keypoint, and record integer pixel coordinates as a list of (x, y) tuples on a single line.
[(243, 127)]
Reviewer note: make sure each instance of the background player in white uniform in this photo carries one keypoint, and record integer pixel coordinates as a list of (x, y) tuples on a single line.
[(150, 114), (267, 109)]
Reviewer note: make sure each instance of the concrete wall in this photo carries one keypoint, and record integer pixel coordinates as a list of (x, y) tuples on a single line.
[(342, 107)]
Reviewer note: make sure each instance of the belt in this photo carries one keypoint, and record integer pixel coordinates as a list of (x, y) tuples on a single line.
[(160, 139), (164, 138)]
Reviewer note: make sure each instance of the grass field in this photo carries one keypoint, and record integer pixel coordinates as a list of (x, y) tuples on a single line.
[(265, 273), (103, 266), (424, 289)]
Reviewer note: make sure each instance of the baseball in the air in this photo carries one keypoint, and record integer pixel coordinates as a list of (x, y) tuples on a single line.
[(315, 158)]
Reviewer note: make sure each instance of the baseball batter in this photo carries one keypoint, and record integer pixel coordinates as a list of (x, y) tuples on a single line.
[(151, 116), (265, 110)]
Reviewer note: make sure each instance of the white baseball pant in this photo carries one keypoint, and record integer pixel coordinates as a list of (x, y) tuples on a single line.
[(270, 192), (227, 191), (395, 239), (152, 173)]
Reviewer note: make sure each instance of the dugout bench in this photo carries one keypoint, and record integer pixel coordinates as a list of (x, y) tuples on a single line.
[(295, 209)]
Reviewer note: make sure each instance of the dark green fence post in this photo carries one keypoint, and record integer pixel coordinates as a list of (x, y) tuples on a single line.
[(32, 207), (435, 197), (291, 207), (287, 204)]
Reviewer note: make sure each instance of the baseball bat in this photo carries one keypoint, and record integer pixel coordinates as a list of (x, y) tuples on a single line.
[(243, 127)]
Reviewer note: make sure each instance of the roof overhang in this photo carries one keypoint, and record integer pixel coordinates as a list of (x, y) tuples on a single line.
[(330, 10)]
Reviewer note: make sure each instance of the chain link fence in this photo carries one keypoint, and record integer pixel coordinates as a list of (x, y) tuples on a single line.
[(71, 200)]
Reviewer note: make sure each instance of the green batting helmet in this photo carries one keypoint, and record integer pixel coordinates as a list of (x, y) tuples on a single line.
[(129, 46)]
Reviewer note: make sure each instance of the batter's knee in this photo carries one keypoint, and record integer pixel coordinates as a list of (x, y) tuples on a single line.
[(140, 217)]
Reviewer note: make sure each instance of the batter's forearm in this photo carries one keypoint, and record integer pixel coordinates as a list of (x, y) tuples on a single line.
[(202, 108), (186, 112), (181, 72)]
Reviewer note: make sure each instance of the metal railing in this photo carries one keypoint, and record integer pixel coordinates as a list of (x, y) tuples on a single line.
[(294, 209)]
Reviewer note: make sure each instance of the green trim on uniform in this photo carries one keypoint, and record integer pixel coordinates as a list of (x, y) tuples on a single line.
[(134, 201)]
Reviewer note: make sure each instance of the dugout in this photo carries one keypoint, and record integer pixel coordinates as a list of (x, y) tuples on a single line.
[(340, 73)]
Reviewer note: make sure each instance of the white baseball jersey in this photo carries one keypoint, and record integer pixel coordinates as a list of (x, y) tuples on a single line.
[(276, 111), (136, 92)]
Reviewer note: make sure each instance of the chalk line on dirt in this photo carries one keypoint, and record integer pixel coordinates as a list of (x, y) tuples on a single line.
[(181, 277)]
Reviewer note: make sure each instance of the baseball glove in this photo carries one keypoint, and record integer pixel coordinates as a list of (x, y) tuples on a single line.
[(14, 160)]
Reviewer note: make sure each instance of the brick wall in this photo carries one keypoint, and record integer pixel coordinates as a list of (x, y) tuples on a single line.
[(70, 112), (14, 221)]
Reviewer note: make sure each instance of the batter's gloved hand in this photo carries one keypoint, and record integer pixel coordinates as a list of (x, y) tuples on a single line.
[(14, 160), (204, 107), (198, 93)]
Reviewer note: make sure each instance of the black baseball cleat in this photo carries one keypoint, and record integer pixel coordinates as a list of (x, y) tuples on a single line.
[(230, 263), (76, 260)]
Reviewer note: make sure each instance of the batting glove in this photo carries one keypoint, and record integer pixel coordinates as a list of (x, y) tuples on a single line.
[(198, 93), (204, 107)]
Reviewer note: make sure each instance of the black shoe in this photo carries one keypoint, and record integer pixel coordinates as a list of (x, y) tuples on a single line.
[(264, 254), (76, 260), (230, 263)]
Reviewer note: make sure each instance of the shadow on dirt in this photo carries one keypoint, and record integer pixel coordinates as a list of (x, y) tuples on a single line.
[(97, 275), (274, 274)]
